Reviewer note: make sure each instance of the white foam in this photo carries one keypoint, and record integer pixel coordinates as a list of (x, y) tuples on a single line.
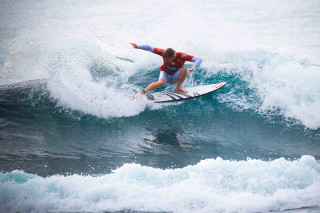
[(211, 185), (73, 86), (283, 84)]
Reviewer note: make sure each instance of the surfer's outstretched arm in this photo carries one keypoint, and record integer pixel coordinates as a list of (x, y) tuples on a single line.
[(157, 51), (146, 47)]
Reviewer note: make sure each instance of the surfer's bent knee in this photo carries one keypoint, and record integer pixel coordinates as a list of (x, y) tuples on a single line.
[(183, 70), (162, 82)]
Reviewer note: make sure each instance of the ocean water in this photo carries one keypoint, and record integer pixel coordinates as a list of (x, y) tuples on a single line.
[(73, 140)]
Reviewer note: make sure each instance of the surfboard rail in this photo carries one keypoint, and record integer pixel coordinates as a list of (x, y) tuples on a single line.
[(193, 92)]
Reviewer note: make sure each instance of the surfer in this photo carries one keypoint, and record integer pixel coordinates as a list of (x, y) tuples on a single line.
[(172, 70)]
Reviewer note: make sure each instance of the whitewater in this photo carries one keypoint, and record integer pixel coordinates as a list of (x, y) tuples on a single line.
[(73, 140), (222, 186)]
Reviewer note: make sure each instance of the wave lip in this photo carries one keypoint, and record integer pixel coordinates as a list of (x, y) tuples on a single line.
[(211, 185), (275, 84)]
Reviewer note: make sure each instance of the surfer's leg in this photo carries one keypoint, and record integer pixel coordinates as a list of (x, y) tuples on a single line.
[(162, 81), (151, 86), (163, 78), (182, 77), (155, 85)]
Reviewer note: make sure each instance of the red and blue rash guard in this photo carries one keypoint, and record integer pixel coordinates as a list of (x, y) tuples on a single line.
[(175, 65)]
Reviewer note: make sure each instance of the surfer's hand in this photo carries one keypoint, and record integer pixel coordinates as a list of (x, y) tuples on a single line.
[(134, 45), (192, 68)]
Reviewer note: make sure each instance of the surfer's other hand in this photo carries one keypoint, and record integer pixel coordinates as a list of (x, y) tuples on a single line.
[(134, 45), (192, 68)]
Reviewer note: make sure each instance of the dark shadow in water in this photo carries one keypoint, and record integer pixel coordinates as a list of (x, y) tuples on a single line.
[(164, 137)]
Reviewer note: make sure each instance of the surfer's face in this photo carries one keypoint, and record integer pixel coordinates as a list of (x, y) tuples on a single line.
[(169, 60)]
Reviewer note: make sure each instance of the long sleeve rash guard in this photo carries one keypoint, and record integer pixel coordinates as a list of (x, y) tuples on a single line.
[(179, 61)]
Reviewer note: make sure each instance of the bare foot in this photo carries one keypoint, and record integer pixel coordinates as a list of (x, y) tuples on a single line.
[(181, 91), (138, 96)]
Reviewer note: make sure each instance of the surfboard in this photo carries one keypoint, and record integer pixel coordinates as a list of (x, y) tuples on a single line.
[(193, 92)]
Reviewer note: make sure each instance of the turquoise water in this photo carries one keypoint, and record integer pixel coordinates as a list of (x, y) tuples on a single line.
[(73, 140)]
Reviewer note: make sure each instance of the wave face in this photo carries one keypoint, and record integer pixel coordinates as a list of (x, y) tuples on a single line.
[(212, 185)]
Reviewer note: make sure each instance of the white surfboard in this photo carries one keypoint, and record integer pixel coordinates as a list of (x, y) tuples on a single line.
[(193, 92)]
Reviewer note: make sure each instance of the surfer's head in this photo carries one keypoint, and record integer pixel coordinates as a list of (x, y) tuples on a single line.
[(169, 55)]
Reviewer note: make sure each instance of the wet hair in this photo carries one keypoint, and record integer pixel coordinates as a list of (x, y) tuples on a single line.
[(168, 53)]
